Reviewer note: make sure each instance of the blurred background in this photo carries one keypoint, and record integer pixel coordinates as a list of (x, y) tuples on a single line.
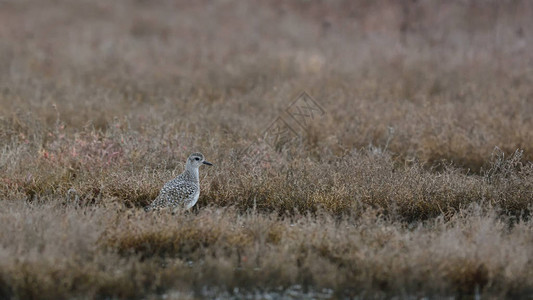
[(453, 78), (433, 81)]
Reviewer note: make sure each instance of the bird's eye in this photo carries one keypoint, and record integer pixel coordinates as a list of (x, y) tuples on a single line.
[(197, 158)]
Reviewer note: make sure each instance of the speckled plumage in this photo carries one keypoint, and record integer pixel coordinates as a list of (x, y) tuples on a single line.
[(182, 191)]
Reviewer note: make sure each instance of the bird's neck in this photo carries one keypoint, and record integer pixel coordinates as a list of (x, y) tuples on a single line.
[(192, 173)]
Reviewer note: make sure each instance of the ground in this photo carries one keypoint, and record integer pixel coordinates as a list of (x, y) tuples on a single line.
[(408, 174)]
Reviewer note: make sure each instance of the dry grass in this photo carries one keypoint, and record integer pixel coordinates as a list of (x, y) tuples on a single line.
[(100, 252), (410, 185)]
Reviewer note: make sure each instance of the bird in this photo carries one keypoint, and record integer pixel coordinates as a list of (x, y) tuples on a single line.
[(183, 191)]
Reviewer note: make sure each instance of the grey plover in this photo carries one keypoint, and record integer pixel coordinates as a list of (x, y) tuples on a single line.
[(184, 190)]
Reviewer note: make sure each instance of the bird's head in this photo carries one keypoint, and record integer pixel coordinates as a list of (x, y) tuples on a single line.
[(195, 160)]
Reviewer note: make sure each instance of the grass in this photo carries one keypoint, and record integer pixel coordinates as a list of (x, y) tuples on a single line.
[(417, 181)]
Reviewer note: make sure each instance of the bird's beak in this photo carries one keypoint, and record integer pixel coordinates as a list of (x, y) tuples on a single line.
[(205, 162)]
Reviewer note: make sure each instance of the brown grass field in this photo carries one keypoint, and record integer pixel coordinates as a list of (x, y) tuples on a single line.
[(417, 181)]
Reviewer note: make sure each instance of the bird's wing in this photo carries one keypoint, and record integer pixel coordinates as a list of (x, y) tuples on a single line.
[(174, 193), (181, 193), (158, 202)]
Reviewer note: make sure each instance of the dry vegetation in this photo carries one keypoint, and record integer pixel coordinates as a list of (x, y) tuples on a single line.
[(418, 181)]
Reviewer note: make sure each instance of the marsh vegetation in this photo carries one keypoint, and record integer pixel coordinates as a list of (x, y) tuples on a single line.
[(417, 180)]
